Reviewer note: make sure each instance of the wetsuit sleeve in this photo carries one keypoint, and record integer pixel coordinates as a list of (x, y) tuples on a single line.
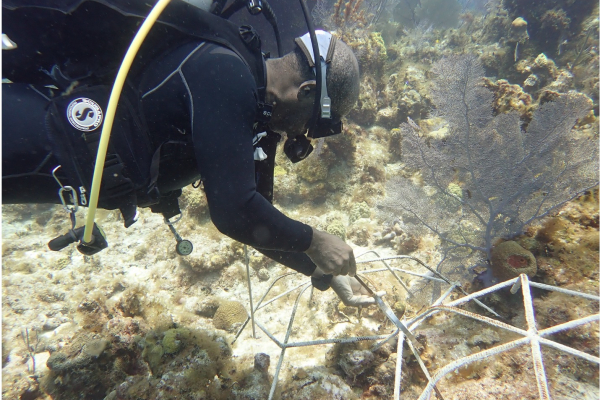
[(264, 172), (223, 108), (299, 262)]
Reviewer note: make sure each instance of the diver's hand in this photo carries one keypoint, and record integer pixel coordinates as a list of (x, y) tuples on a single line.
[(351, 292), (331, 254)]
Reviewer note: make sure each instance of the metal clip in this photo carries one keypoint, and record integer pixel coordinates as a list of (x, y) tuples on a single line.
[(83, 199), (54, 175), (69, 207)]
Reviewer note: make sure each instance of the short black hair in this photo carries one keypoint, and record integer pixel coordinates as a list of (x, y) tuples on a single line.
[(343, 80)]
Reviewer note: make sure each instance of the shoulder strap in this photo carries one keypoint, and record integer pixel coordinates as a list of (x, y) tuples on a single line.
[(243, 40)]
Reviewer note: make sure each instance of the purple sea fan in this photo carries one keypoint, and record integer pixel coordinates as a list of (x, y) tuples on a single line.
[(488, 178)]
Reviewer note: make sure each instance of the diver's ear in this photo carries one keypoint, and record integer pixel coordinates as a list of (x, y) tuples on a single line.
[(306, 90)]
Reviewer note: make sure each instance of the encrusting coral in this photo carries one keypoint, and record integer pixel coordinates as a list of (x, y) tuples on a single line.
[(337, 228)]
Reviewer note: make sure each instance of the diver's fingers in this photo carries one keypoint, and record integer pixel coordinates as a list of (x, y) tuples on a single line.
[(344, 269)]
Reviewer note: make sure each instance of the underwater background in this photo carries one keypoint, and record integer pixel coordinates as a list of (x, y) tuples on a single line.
[(472, 150)]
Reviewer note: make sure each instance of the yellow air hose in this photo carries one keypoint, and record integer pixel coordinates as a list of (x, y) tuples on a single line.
[(110, 113)]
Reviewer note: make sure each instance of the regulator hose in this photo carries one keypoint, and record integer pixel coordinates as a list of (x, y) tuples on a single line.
[(110, 114)]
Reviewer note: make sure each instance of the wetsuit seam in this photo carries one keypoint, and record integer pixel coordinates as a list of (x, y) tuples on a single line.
[(177, 70), (191, 98)]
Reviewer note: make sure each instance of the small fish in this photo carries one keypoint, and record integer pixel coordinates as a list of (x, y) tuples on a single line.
[(7, 44)]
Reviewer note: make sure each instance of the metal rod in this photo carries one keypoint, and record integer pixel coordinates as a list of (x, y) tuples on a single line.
[(532, 337), (285, 341), (391, 270), (274, 384), (467, 360), (284, 294), (250, 290), (570, 350), (536, 351), (565, 291), (404, 271), (433, 271), (416, 321), (568, 325), (398, 372)]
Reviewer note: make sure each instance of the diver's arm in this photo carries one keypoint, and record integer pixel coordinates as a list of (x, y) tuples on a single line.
[(224, 108), (299, 262), (332, 254)]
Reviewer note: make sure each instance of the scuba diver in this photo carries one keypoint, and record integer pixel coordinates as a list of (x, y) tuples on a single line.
[(201, 103)]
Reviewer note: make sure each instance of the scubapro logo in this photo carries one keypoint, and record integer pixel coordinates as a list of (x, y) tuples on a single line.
[(84, 114)]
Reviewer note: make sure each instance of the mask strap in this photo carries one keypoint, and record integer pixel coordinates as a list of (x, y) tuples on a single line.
[(326, 44), (325, 100)]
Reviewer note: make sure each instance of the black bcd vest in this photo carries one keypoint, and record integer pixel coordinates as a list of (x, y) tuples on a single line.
[(62, 41)]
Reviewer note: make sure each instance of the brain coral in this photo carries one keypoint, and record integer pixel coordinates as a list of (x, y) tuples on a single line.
[(229, 315)]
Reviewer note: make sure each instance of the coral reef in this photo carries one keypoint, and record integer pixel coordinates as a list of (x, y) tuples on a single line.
[(370, 51), (256, 384), (549, 23), (365, 111), (355, 362), (193, 202), (93, 315), (92, 363), (215, 258), (509, 97), (139, 321), (476, 163)]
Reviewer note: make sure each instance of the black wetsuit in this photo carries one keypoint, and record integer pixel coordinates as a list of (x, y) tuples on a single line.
[(199, 99)]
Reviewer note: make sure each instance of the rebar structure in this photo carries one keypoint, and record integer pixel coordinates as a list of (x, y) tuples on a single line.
[(531, 337)]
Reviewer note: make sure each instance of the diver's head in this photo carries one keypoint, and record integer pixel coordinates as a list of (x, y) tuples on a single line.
[(291, 87)]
